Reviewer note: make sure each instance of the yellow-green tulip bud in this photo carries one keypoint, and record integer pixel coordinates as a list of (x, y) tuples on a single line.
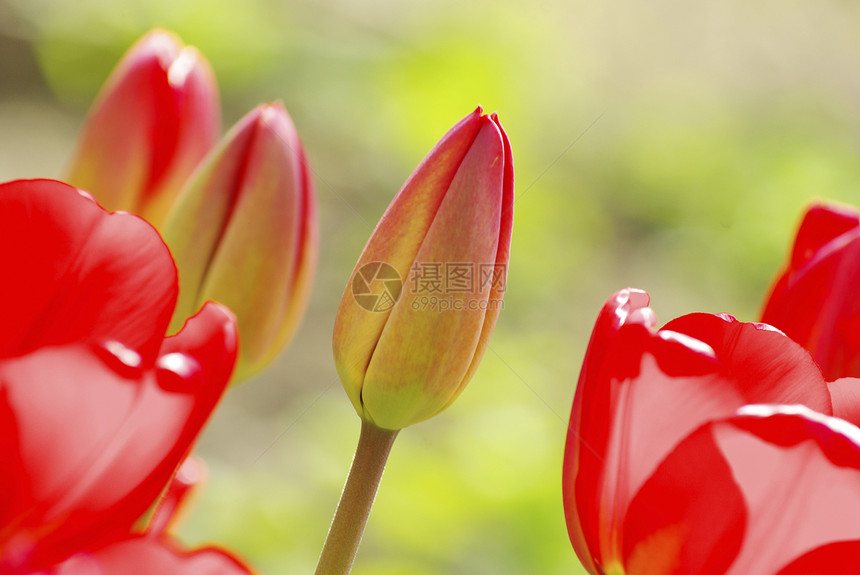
[(423, 300), (243, 232)]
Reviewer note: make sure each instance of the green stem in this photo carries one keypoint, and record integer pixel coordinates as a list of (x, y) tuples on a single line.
[(341, 545)]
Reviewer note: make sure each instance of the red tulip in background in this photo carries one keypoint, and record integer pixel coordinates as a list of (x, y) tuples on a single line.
[(695, 449), (97, 408), (154, 120), (815, 299)]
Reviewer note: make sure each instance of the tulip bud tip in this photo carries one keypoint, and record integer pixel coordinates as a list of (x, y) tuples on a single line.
[(182, 66)]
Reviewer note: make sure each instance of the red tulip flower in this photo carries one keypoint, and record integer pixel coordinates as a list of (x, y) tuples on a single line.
[(815, 299), (707, 447), (97, 407), (154, 120)]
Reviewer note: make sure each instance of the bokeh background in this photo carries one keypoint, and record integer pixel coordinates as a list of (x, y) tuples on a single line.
[(666, 145)]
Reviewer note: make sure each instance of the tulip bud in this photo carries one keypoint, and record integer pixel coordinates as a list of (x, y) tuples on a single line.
[(154, 120), (425, 294), (243, 232)]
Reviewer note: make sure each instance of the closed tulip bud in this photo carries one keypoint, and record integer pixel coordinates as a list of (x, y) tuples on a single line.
[(243, 232), (423, 300), (156, 117)]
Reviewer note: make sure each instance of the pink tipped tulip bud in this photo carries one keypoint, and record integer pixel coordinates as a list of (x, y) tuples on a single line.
[(156, 117), (422, 302), (243, 232)]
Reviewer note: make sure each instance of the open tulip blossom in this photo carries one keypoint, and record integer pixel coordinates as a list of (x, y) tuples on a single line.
[(709, 446), (97, 408)]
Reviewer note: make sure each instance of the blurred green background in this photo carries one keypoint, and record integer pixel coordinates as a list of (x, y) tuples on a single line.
[(666, 145)]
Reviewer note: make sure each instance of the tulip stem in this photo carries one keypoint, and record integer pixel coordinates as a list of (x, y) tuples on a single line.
[(341, 545)]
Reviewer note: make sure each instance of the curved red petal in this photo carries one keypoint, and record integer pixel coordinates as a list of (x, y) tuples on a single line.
[(145, 555), (190, 96), (799, 472), (14, 482), (503, 253), (80, 274), (821, 224), (689, 517), (123, 141), (771, 488), (211, 337), (814, 301), (845, 398), (767, 366), (99, 438), (507, 216), (153, 121), (640, 393), (174, 501), (625, 305), (841, 557)]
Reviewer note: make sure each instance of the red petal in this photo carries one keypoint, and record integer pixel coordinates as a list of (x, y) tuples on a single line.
[(507, 217), (845, 397), (503, 253), (98, 440), (154, 120), (799, 472), (192, 97), (689, 516), (14, 483), (80, 274), (814, 301), (772, 487), (821, 225), (640, 393), (150, 556), (841, 557), (768, 367), (625, 305), (174, 502)]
